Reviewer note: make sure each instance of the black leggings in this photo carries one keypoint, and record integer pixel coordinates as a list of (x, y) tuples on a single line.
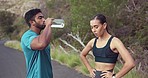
[(98, 73)]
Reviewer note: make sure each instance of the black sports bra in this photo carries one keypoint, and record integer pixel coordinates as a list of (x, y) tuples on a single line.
[(105, 54)]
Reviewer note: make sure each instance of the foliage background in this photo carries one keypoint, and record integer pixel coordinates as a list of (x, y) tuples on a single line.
[(127, 19)]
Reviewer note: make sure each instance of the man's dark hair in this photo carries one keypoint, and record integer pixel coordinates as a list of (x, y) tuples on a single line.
[(101, 18), (30, 14)]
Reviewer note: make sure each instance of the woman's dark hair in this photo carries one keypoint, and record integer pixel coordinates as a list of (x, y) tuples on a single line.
[(30, 14), (102, 20), (100, 17)]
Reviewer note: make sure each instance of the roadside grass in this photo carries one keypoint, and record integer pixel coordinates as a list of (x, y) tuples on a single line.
[(72, 60), (13, 44)]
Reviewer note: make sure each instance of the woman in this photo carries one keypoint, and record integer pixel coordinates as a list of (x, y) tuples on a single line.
[(106, 49)]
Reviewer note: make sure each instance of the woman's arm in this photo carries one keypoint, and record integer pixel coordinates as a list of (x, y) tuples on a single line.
[(129, 62), (83, 55)]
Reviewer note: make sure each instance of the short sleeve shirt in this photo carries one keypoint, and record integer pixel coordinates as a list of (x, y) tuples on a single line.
[(38, 62)]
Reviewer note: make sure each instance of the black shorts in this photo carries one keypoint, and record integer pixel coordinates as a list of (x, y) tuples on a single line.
[(98, 73)]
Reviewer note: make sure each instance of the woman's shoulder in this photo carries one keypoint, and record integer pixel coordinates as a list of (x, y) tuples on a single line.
[(116, 40), (91, 42)]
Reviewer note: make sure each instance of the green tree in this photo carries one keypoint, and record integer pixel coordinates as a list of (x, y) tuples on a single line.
[(82, 11)]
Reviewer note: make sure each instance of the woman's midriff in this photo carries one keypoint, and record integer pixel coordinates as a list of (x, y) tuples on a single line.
[(104, 66)]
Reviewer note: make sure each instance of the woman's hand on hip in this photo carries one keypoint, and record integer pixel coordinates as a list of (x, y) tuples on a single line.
[(92, 73)]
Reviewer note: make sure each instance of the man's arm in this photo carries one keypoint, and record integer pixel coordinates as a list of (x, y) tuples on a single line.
[(42, 41)]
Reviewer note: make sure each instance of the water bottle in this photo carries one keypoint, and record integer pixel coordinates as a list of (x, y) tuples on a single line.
[(58, 23)]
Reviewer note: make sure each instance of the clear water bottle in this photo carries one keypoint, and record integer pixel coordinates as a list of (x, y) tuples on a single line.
[(58, 23)]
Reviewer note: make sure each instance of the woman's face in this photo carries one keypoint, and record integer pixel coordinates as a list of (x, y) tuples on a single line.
[(97, 28)]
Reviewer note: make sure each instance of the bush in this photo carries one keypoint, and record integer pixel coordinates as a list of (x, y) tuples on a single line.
[(6, 22)]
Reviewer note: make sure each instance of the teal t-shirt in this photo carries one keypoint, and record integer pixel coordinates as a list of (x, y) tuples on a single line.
[(38, 62)]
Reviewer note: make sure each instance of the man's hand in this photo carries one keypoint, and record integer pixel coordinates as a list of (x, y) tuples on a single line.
[(48, 21)]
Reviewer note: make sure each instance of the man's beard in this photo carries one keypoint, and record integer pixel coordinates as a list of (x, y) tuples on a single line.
[(41, 27)]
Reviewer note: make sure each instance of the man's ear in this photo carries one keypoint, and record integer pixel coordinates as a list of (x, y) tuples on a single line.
[(31, 22)]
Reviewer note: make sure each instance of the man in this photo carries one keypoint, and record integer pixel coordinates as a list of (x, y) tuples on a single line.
[(35, 45)]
